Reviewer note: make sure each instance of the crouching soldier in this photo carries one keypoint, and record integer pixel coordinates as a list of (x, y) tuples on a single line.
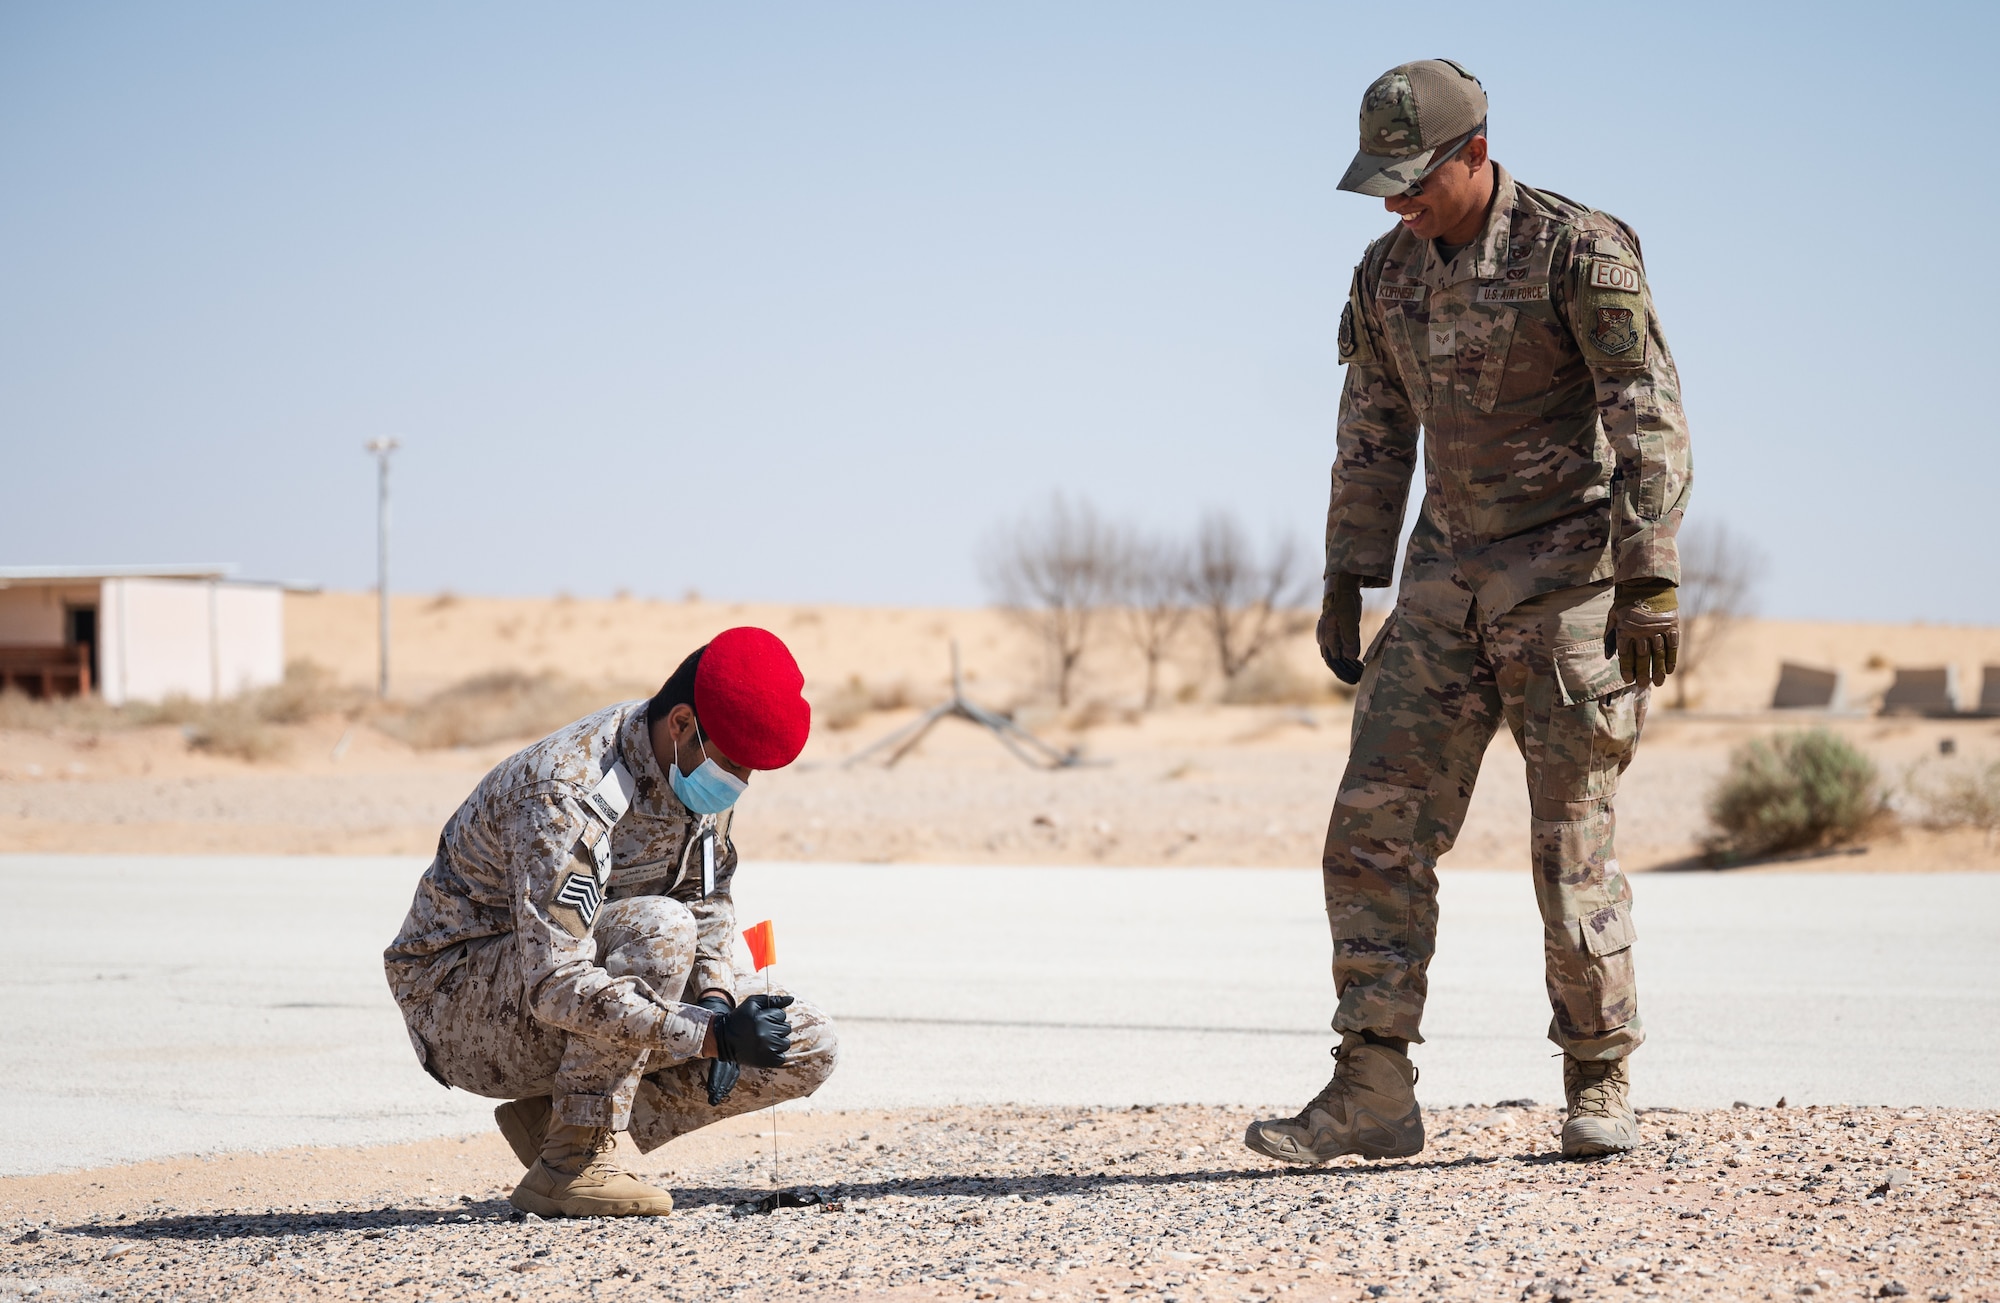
[(569, 949)]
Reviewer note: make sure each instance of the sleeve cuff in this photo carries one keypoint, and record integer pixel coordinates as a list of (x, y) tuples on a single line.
[(682, 1030), (708, 975)]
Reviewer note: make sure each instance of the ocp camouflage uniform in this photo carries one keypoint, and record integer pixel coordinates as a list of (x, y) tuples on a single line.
[(553, 942), (1555, 463)]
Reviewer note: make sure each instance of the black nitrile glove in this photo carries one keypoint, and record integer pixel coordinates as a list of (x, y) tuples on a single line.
[(1644, 631), (1340, 628), (755, 1033), (722, 1074)]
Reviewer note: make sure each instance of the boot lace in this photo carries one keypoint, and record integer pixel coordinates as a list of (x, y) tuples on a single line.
[(1340, 1084), (589, 1153), (1344, 1071), (602, 1146), (1594, 1087)]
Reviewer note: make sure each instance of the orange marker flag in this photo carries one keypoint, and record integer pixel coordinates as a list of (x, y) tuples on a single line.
[(763, 945)]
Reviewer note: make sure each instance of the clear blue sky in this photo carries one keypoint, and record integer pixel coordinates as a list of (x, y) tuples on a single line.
[(795, 302)]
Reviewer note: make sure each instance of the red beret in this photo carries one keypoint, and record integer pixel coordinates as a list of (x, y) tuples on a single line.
[(748, 694)]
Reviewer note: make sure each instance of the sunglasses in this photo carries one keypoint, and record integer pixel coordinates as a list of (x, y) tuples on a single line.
[(1416, 187)]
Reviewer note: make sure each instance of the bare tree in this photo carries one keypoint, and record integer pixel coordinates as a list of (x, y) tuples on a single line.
[(1247, 603), (1718, 572), (1055, 570), (1156, 585)]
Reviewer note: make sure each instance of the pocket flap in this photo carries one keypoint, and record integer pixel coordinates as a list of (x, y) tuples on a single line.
[(1608, 931), (1584, 673)]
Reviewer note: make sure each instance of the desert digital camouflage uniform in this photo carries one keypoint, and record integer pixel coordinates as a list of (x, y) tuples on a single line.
[(1556, 463), (553, 941)]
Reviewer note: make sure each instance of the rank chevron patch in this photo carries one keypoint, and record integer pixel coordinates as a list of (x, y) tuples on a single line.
[(576, 902)]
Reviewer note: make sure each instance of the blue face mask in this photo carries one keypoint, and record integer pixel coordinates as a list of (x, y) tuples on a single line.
[(710, 789)]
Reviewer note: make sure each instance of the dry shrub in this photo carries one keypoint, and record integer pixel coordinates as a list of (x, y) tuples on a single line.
[(1096, 713), (499, 706), (853, 700), (234, 728), (239, 726), (891, 696), (1961, 796), (1792, 792), (844, 707), (179, 708), (29, 714), (308, 691), (1271, 681)]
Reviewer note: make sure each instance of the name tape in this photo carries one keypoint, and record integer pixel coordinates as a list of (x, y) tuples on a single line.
[(1400, 293)]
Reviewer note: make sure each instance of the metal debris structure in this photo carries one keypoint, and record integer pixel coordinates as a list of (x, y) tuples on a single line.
[(1023, 745)]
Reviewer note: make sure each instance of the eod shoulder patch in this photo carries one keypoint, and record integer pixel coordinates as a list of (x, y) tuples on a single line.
[(1614, 276)]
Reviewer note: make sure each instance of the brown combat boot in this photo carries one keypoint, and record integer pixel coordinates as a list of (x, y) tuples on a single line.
[(525, 1122), (575, 1177), (1601, 1120), (1369, 1108)]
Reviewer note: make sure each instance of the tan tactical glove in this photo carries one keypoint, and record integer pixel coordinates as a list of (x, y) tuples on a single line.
[(1644, 631), (1340, 628)]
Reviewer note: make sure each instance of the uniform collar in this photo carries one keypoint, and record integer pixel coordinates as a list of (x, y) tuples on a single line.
[(652, 796), (1484, 258)]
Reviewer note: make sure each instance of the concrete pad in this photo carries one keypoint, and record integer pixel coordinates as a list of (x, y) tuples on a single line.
[(164, 1005)]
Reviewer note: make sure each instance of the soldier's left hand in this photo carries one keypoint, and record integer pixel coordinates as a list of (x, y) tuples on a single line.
[(722, 1074), (1644, 632), (1339, 633)]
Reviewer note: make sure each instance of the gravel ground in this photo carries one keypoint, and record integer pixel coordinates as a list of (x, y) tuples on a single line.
[(1078, 1204)]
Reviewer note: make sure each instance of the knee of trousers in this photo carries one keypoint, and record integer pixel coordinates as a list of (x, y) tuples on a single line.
[(651, 937), (1372, 828), (815, 1048)]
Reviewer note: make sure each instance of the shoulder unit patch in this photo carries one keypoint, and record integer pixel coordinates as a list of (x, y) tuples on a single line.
[(1614, 331), (1356, 348)]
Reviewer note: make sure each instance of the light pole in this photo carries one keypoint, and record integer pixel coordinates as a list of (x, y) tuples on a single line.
[(382, 448)]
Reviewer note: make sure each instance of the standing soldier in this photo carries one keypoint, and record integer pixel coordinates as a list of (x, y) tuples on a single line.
[(569, 948), (1514, 327)]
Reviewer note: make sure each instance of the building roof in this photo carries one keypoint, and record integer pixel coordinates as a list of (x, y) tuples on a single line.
[(28, 575)]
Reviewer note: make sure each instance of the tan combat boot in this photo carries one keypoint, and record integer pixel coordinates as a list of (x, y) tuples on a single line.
[(575, 1177), (1369, 1108), (1601, 1120), (525, 1122)]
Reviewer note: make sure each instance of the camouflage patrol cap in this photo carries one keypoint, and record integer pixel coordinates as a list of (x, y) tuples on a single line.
[(1408, 113)]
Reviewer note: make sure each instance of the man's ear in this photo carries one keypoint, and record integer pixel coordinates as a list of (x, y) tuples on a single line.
[(1474, 153)]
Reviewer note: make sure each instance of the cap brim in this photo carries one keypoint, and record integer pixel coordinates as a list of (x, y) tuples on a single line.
[(1382, 175)]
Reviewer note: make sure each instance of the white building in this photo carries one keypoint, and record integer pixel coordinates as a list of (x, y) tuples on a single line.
[(139, 633)]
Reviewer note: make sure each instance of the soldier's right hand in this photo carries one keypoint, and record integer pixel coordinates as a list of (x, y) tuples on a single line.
[(1340, 628), (756, 1033)]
